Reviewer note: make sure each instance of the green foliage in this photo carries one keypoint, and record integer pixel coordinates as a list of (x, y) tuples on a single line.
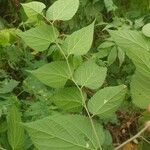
[(110, 6), (62, 10), (90, 75), (33, 10), (146, 30), (79, 42), (106, 101), (7, 86), (68, 99), (40, 37), (133, 42), (7, 36), (15, 130), (69, 69), (54, 74), (64, 132)]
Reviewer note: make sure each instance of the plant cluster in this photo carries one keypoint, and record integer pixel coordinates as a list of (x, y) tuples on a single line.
[(68, 68)]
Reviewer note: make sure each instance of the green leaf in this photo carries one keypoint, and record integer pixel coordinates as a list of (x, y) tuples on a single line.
[(146, 30), (106, 44), (54, 74), (137, 48), (107, 100), (102, 53), (15, 130), (68, 99), (79, 42), (62, 10), (112, 56), (77, 61), (144, 118), (121, 56), (33, 9), (130, 40), (8, 86), (40, 37), (60, 132), (7, 36), (4, 37), (140, 89), (110, 6), (90, 75)]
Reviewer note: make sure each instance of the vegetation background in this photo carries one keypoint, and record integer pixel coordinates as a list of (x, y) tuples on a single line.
[(80, 81)]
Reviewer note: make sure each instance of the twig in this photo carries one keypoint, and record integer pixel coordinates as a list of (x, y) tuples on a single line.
[(134, 137), (144, 139)]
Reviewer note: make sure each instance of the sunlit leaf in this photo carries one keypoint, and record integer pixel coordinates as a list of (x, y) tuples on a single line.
[(146, 30), (33, 9), (62, 10), (68, 99), (79, 42), (54, 74), (40, 37), (107, 100), (70, 132), (90, 75), (15, 130)]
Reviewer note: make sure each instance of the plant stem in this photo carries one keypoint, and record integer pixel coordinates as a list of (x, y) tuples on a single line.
[(90, 118), (144, 139), (80, 89), (134, 137)]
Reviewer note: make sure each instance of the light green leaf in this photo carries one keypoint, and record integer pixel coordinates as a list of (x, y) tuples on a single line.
[(112, 56), (79, 42), (4, 37), (102, 53), (7, 36), (90, 75), (121, 56), (140, 89), (68, 99), (146, 30), (130, 40), (62, 10), (137, 48), (8, 86), (110, 6), (15, 130), (33, 9), (40, 37), (54, 74), (106, 44), (107, 100), (77, 61), (70, 132)]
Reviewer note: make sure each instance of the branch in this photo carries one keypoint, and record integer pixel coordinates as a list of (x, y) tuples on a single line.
[(134, 137)]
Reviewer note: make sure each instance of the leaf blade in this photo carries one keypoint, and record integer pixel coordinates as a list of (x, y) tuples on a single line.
[(40, 37), (79, 42), (68, 131), (15, 130), (33, 9), (90, 75), (105, 101), (68, 99), (62, 10), (54, 74)]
